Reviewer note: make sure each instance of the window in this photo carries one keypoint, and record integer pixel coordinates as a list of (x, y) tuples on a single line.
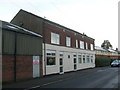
[(61, 54), (51, 57), (61, 58), (86, 45), (68, 41), (76, 43), (80, 58), (61, 61), (68, 56), (81, 44), (83, 58), (91, 59), (88, 59), (61, 69), (91, 46), (55, 38)]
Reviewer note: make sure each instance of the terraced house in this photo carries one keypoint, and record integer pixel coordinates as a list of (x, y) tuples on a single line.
[(64, 49)]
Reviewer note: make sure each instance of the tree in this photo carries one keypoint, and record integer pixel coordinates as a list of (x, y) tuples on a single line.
[(106, 44)]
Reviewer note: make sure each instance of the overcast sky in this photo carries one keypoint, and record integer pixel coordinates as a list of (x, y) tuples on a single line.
[(96, 18)]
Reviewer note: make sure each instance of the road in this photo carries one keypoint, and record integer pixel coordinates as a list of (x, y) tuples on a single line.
[(92, 78), (101, 77)]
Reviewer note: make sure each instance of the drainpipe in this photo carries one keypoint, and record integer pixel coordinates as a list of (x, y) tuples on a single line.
[(44, 46), (15, 49)]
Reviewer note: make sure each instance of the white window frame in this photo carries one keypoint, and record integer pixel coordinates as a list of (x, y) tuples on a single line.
[(84, 58), (55, 38), (91, 59), (80, 61), (91, 47), (76, 43), (68, 41), (51, 56), (88, 58), (82, 44), (86, 45)]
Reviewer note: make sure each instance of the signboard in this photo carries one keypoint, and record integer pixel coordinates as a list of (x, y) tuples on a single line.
[(35, 59), (36, 67)]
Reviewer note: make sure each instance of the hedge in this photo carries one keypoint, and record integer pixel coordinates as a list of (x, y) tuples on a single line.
[(102, 61)]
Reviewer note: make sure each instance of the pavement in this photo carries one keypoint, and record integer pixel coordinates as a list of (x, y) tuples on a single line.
[(50, 79)]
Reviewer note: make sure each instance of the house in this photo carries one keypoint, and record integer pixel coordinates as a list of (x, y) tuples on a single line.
[(64, 49), (106, 52), (21, 53)]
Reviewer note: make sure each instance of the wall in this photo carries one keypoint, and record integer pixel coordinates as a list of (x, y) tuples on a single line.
[(28, 21), (48, 28), (24, 68), (19, 47), (68, 63)]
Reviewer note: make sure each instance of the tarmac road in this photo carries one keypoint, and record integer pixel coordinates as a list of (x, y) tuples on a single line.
[(102, 77)]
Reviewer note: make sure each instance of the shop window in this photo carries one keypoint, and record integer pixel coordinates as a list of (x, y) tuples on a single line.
[(88, 59), (51, 57), (83, 58), (91, 59), (80, 58)]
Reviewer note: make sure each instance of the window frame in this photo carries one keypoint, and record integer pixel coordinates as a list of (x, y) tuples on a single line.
[(86, 45), (51, 55), (55, 38), (68, 41), (76, 44), (80, 59), (91, 47), (82, 45)]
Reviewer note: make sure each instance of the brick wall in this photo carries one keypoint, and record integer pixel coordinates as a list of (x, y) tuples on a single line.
[(63, 33), (24, 68), (7, 68)]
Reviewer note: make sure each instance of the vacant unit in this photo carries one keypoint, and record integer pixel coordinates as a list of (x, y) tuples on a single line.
[(64, 49), (21, 53)]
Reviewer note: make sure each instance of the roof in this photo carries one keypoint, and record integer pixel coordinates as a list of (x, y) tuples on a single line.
[(53, 23), (102, 49), (99, 48), (111, 50), (12, 27)]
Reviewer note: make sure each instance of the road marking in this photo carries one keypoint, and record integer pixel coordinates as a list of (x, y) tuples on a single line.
[(47, 84)]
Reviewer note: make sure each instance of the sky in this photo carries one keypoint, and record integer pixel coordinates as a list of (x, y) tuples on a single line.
[(98, 19)]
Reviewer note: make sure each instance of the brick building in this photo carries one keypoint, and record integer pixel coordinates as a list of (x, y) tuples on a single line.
[(21, 53), (112, 54), (64, 49)]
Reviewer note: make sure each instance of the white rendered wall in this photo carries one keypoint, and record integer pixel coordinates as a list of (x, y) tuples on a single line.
[(68, 64)]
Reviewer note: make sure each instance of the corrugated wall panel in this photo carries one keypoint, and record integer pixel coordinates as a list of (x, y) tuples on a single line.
[(8, 42), (0, 37), (29, 22), (29, 45)]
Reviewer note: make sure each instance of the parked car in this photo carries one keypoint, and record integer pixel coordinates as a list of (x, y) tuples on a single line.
[(115, 63)]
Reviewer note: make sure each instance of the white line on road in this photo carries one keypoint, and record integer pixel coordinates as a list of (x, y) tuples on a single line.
[(47, 84)]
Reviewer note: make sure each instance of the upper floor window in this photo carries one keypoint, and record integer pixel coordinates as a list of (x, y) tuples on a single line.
[(68, 41), (91, 46), (82, 44), (76, 43), (55, 39), (86, 45)]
